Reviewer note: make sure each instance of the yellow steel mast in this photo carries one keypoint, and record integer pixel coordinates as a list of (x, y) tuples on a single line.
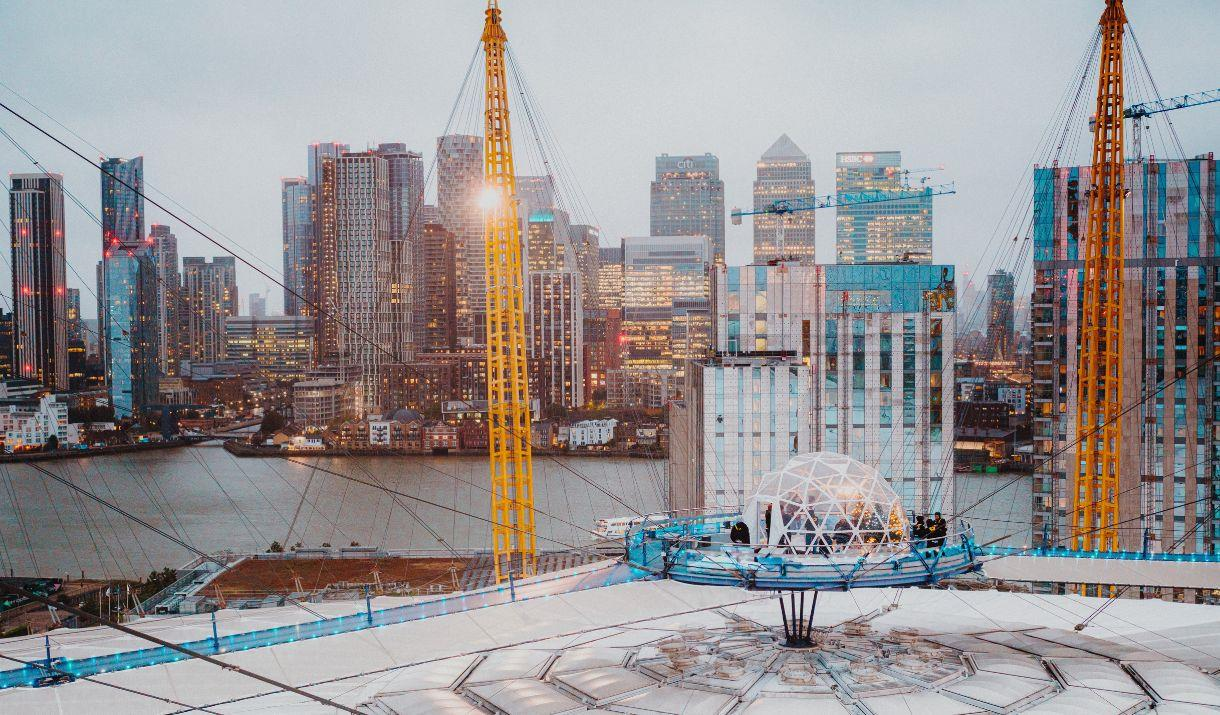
[(508, 405), (1100, 375)]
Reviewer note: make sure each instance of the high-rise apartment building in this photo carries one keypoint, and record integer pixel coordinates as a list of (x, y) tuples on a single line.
[(76, 323), (77, 345), (1001, 328), (879, 343), (36, 220), (439, 290), (129, 295), (320, 175), (664, 279), (782, 174), (459, 184), (405, 198), (884, 232), (555, 330), (300, 276), (1170, 471), (163, 247), (209, 289), (362, 265), (586, 241), (687, 199)]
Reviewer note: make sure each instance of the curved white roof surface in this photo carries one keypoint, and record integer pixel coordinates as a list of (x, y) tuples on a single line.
[(664, 647)]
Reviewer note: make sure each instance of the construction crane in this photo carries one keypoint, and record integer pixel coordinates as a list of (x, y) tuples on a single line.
[(1100, 372), (508, 404), (921, 173), (1138, 113), (784, 207)]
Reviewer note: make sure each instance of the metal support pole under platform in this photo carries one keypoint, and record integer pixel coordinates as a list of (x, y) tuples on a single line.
[(798, 631)]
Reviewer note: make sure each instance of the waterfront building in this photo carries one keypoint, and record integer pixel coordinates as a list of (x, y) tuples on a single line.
[(36, 220), (362, 264), (280, 345), (459, 177), (880, 232), (163, 246), (29, 423), (741, 417), (438, 290), (610, 277), (300, 279), (687, 199), (665, 278), (422, 385), (783, 173), (128, 313), (1170, 439), (1001, 330), (555, 330), (587, 433), (131, 347), (879, 341), (317, 403), (405, 199), (209, 289)]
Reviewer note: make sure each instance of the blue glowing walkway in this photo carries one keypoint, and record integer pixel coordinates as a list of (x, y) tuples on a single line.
[(537, 588)]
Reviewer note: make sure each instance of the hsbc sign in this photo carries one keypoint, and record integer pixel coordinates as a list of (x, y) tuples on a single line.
[(856, 158)]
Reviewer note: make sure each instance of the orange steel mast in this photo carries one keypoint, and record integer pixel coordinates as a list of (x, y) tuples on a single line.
[(508, 405), (1100, 375)]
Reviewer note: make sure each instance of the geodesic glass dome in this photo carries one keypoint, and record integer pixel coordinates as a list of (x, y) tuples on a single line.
[(825, 502)]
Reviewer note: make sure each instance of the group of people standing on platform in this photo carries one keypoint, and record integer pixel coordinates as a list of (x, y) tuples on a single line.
[(929, 531)]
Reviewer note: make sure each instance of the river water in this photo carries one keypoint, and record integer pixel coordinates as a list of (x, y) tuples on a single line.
[(214, 501)]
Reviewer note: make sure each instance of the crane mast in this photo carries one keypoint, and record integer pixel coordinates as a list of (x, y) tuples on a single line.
[(508, 404), (1100, 374)]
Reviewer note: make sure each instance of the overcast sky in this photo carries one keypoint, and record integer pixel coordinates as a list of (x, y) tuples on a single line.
[(221, 98)]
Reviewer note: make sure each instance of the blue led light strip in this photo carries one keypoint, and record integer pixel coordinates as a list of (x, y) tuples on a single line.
[(126, 660)]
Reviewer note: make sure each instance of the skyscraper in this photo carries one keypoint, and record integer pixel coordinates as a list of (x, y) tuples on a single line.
[(40, 329), (405, 188), (210, 291), (687, 199), (783, 173), (1001, 331), (555, 331), (459, 183), (258, 305), (610, 277), (884, 232), (300, 273), (77, 346), (164, 256), (1167, 486), (362, 264), (439, 271), (320, 273), (130, 347), (586, 240)]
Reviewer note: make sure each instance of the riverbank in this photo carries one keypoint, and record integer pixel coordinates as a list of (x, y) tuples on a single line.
[(58, 454), (240, 448)]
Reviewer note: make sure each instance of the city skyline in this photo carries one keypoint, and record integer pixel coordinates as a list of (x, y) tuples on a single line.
[(255, 151)]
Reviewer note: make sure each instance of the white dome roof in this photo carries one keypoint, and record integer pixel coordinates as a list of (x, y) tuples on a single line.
[(827, 499)]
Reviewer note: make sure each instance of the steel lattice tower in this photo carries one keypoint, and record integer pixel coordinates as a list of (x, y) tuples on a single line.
[(1100, 374), (508, 405)]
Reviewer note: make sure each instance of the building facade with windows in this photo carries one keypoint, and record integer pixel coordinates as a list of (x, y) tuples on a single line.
[(883, 232), (687, 199), (879, 343), (1001, 325), (36, 221), (281, 345), (783, 174), (170, 304), (1170, 452), (209, 289), (296, 199), (459, 182), (555, 332), (665, 285)]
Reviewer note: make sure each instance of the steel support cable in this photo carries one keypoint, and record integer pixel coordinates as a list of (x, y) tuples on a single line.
[(252, 529), (29, 544), (14, 589), (89, 679)]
